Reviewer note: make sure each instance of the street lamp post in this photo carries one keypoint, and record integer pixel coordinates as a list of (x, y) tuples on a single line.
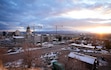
[(56, 30)]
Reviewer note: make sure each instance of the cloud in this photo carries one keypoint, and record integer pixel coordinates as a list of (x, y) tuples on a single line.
[(84, 14), (72, 14)]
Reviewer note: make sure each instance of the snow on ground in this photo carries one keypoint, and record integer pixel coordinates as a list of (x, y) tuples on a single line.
[(104, 52), (46, 44), (17, 64), (88, 51), (21, 50), (51, 55), (63, 49), (102, 62), (36, 69), (49, 58), (77, 49), (14, 63), (31, 49)]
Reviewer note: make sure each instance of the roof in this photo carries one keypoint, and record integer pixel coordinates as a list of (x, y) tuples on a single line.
[(82, 57), (99, 47), (82, 45), (18, 37)]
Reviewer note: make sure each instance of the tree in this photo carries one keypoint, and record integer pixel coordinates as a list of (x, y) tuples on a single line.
[(31, 58), (59, 38), (28, 55), (107, 44), (4, 33)]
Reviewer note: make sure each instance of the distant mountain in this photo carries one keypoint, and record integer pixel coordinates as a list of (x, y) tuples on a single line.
[(58, 32), (54, 32)]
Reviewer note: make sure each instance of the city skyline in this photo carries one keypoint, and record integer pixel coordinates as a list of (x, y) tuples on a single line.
[(81, 15)]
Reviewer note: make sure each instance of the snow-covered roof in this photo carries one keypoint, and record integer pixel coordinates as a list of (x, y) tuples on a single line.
[(18, 37), (82, 45), (99, 47), (82, 57), (38, 34)]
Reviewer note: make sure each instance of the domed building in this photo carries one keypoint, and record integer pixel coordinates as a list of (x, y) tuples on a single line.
[(29, 36), (28, 31), (17, 33)]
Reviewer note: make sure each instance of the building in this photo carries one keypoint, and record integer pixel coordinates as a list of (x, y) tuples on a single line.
[(17, 33), (18, 39), (28, 31)]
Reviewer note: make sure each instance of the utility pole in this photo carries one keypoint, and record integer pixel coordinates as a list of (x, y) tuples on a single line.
[(34, 30), (56, 26), (56, 30)]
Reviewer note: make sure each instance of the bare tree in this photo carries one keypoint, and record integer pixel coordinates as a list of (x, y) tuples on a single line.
[(28, 56)]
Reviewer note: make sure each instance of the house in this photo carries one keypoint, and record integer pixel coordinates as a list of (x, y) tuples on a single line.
[(18, 39)]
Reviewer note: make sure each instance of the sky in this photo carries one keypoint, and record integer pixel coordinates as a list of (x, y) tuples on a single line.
[(70, 15)]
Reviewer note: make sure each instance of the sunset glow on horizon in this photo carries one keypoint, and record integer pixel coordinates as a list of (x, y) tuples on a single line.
[(100, 30)]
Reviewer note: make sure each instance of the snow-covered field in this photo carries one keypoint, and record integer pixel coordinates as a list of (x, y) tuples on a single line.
[(14, 63), (20, 50)]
